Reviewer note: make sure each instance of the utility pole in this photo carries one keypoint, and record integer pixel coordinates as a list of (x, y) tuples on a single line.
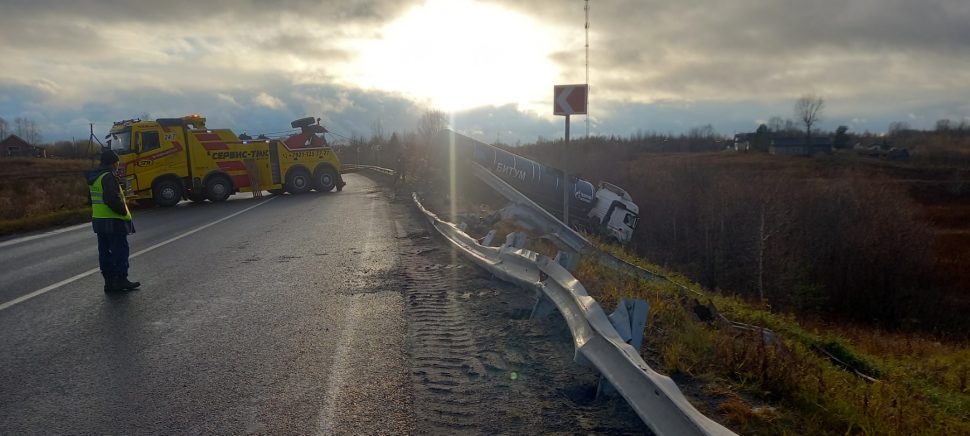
[(587, 71), (568, 100), (565, 177)]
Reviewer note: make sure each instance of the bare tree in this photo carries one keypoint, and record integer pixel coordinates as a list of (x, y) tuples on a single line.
[(808, 109), (20, 127), (27, 130), (942, 125), (4, 129), (898, 128), (776, 124), (377, 132), (774, 217), (432, 122)]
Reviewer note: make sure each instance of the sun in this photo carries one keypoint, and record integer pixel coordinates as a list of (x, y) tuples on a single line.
[(459, 54)]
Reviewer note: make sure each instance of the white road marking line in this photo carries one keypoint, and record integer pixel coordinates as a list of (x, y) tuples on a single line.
[(46, 289), (42, 235)]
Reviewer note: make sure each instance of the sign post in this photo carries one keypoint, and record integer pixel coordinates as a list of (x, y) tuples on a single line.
[(568, 100)]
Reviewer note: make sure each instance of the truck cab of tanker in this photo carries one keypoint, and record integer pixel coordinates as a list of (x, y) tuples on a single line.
[(615, 211)]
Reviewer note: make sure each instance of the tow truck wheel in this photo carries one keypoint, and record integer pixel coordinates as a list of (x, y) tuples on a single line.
[(325, 179), (302, 122), (167, 192), (218, 188), (297, 181)]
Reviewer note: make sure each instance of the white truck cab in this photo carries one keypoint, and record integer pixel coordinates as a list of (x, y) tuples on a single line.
[(615, 211)]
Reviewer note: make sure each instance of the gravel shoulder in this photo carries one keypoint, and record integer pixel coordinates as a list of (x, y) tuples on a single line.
[(477, 363)]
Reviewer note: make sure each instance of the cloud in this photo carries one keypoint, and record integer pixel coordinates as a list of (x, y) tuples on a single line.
[(706, 50), (227, 99), (654, 65), (266, 100)]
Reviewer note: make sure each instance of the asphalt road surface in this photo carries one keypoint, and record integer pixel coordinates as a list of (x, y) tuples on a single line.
[(312, 314)]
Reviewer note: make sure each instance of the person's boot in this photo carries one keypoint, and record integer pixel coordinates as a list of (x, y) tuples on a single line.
[(107, 282), (111, 284), (126, 285)]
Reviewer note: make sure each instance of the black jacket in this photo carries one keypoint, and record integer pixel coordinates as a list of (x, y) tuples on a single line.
[(111, 192)]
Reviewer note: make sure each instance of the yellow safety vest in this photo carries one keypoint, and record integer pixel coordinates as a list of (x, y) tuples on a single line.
[(101, 210)]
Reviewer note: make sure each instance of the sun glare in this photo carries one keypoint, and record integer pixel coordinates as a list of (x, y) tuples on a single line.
[(459, 54)]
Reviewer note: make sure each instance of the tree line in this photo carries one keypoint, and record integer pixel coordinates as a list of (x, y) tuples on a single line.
[(804, 235), (25, 128)]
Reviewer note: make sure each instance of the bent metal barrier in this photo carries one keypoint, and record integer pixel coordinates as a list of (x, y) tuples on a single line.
[(527, 210), (655, 397)]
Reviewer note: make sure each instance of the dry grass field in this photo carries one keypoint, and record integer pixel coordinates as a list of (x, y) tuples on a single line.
[(41, 193), (785, 385)]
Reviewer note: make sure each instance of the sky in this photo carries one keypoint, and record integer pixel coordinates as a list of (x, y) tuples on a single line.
[(654, 66)]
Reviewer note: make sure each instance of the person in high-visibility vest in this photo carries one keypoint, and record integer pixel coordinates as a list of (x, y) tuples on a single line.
[(111, 221)]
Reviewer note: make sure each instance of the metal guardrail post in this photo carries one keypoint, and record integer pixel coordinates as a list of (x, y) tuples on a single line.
[(515, 240), (489, 237), (543, 307), (567, 260), (629, 320)]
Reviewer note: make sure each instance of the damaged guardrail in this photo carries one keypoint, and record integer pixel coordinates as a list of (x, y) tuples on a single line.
[(653, 396), (530, 211), (524, 209)]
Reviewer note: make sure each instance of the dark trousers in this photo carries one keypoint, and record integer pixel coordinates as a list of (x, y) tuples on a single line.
[(113, 254)]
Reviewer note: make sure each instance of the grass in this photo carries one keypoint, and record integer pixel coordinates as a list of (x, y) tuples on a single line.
[(39, 222), (784, 386), (42, 193), (782, 383)]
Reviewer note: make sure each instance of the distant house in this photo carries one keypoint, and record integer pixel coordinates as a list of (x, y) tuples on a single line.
[(796, 146), (14, 146), (744, 141)]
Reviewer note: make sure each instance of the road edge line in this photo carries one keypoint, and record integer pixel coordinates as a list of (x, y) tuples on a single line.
[(49, 288)]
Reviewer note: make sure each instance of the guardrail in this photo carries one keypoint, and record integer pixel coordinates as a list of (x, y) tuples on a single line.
[(531, 211), (654, 397), (527, 210), (349, 168)]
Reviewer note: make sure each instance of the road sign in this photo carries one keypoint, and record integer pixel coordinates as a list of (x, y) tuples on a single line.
[(569, 99)]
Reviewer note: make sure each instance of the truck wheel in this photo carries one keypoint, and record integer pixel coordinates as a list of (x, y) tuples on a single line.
[(297, 181), (218, 188), (325, 179), (167, 192), (302, 122), (196, 197)]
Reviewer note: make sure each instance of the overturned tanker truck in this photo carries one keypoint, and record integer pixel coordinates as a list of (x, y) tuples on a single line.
[(606, 209)]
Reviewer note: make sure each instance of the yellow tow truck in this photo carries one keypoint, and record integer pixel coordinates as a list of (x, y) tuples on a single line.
[(170, 159)]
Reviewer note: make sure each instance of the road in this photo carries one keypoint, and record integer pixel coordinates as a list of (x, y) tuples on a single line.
[(312, 314)]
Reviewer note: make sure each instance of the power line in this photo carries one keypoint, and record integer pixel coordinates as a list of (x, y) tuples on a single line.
[(337, 134), (284, 132)]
